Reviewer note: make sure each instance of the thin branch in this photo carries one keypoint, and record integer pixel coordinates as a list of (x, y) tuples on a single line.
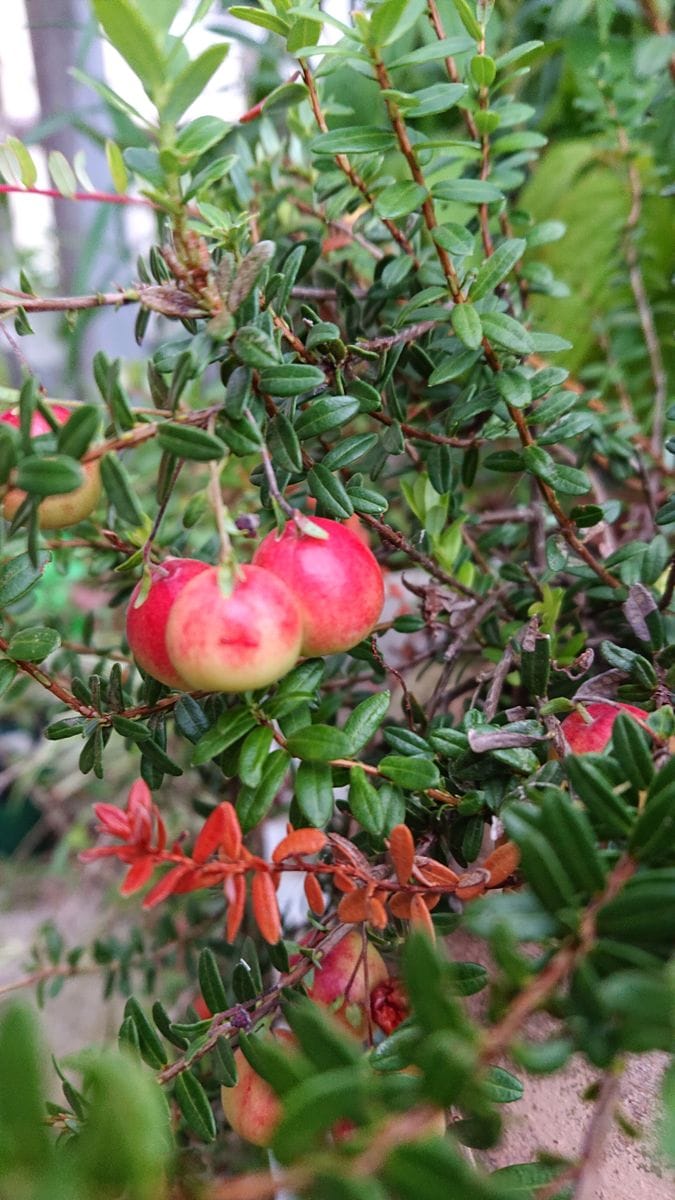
[(97, 197)]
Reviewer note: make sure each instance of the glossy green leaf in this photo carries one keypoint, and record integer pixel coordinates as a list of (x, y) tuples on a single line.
[(314, 792), (192, 81), (186, 441), (497, 267), (364, 721), (133, 38), (467, 325), (364, 803), (19, 575), (34, 644), (51, 475), (318, 743), (194, 1105), (413, 774)]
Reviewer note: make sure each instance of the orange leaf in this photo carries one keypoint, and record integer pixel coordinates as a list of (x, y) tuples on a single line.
[(402, 851), (299, 843), (377, 913), (501, 863), (436, 873), (399, 905), (315, 897), (471, 884), (420, 916), (235, 891), (343, 883), (265, 907), (353, 907)]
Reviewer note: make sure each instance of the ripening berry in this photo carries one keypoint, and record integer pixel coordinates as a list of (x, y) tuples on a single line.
[(337, 582)]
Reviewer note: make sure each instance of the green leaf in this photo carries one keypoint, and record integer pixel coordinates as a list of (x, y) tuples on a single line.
[(467, 325), (228, 729), (392, 19), (119, 490), (567, 480), (433, 51), (644, 911), (291, 379), (468, 19), (318, 743), (570, 831), (253, 755), (210, 981), (150, 1046), (496, 268), (400, 199), (254, 347), (416, 1169), (413, 774), (467, 191), (304, 32), (8, 672), (133, 38), (349, 450), (192, 80), (193, 1103), (320, 1038), (483, 69), (224, 1065), (453, 366), (118, 171), (653, 837), (314, 792), (257, 16), (52, 475), (364, 802), (315, 1105), (26, 1147), (348, 140), (27, 167), (431, 100), (254, 803), (329, 412), (184, 441), (79, 430), (609, 814), (526, 1179), (62, 173), (632, 751), (330, 492), (362, 724), (19, 575), (34, 644), (502, 1087), (200, 135), (507, 332)]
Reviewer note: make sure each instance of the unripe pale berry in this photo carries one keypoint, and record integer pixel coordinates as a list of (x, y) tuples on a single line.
[(337, 582), (146, 621), (251, 1107), (236, 641), (342, 983), (584, 737), (61, 510)]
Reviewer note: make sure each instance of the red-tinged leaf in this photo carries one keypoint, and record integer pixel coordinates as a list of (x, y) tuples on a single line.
[(501, 863), (353, 908), (265, 907), (315, 897), (137, 876), (235, 892), (140, 797), (231, 831), (420, 916), (402, 851), (113, 820), (87, 856), (166, 886), (299, 843), (211, 835), (472, 884)]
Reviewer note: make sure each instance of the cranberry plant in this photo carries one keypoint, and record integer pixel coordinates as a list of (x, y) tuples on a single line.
[(355, 317)]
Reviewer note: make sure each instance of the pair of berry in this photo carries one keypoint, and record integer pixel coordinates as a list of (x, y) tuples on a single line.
[(315, 589)]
